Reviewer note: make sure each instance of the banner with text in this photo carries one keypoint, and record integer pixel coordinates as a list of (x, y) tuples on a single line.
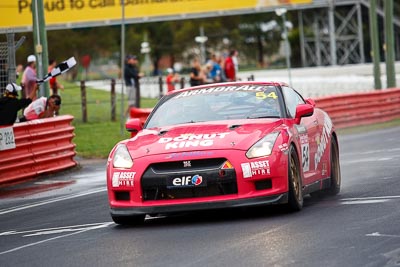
[(18, 13)]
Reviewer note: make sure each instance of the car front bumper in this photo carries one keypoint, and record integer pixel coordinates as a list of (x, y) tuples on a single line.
[(199, 206)]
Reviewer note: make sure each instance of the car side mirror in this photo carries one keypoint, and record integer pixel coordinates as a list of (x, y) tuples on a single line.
[(303, 110), (310, 101), (133, 126)]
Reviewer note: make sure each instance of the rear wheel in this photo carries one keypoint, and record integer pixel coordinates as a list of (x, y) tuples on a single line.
[(336, 178), (295, 201), (128, 220)]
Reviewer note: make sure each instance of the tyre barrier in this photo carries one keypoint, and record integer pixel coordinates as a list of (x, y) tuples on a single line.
[(359, 109), (41, 146)]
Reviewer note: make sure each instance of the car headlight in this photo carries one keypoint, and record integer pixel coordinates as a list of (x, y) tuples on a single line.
[(122, 158), (263, 147)]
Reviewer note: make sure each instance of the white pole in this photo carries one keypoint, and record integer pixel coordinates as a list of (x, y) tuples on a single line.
[(122, 65)]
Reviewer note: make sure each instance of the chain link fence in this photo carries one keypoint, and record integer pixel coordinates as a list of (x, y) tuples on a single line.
[(3, 66), (7, 60)]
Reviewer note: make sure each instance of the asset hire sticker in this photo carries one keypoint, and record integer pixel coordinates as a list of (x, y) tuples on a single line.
[(123, 179), (254, 168)]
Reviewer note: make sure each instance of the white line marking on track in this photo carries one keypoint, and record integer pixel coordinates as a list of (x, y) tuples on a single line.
[(57, 237), (49, 201), (384, 235), (70, 227), (372, 201), (367, 200)]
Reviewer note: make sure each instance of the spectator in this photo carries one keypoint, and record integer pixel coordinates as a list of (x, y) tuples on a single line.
[(131, 77), (54, 84), (10, 104), (172, 79), (221, 62), (196, 75), (230, 70), (28, 81), (235, 60), (216, 71), (207, 72), (43, 108), (19, 70)]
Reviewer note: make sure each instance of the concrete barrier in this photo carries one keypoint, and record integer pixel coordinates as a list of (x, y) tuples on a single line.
[(40, 146)]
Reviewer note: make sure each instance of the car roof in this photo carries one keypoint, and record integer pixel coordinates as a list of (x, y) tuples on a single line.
[(238, 83)]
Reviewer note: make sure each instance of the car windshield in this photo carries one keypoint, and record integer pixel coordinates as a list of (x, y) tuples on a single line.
[(217, 103)]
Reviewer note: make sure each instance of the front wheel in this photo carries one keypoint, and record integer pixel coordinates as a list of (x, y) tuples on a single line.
[(295, 202)]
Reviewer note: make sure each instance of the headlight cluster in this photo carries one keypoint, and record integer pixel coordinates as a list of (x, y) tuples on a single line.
[(122, 158), (263, 147)]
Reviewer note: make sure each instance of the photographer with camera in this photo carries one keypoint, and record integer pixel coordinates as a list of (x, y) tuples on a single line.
[(43, 108)]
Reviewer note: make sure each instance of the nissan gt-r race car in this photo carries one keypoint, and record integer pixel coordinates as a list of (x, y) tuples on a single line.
[(223, 146)]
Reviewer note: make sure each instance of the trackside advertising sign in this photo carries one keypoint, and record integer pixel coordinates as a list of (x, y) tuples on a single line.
[(18, 13)]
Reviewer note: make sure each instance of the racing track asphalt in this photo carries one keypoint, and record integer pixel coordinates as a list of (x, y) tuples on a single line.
[(69, 225)]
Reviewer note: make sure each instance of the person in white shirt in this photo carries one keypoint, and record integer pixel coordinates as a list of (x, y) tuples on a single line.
[(43, 108)]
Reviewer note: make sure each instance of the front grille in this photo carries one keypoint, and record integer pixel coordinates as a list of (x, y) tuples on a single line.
[(157, 180)]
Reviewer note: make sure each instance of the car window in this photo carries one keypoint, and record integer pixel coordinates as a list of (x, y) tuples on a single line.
[(217, 103), (292, 99)]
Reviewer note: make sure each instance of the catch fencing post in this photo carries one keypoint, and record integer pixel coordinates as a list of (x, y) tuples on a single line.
[(113, 111), (84, 102), (160, 83), (137, 91), (182, 82)]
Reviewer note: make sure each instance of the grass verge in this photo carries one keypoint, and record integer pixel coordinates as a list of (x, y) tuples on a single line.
[(96, 137)]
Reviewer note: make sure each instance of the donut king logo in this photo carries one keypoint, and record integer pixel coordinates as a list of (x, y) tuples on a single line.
[(194, 180), (191, 140)]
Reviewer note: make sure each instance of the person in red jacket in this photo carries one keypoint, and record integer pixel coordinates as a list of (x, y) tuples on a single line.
[(230, 70)]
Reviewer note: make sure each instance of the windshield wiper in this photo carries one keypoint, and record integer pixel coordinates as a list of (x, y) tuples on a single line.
[(264, 117)]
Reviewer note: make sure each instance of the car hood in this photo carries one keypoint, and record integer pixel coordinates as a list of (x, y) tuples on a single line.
[(240, 135)]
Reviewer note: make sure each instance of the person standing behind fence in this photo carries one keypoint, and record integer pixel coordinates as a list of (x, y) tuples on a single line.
[(54, 84), (172, 79), (131, 77), (196, 75), (28, 81), (230, 70), (10, 104)]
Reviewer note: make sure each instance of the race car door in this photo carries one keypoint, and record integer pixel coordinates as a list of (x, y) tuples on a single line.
[(306, 133)]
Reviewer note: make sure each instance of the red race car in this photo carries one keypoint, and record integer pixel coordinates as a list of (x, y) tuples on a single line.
[(223, 146)]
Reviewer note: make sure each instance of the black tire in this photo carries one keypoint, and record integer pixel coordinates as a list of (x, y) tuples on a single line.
[(336, 178), (128, 220), (295, 198)]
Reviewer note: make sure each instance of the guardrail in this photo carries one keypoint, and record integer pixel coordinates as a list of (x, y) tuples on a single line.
[(358, 109), (41, 146)]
